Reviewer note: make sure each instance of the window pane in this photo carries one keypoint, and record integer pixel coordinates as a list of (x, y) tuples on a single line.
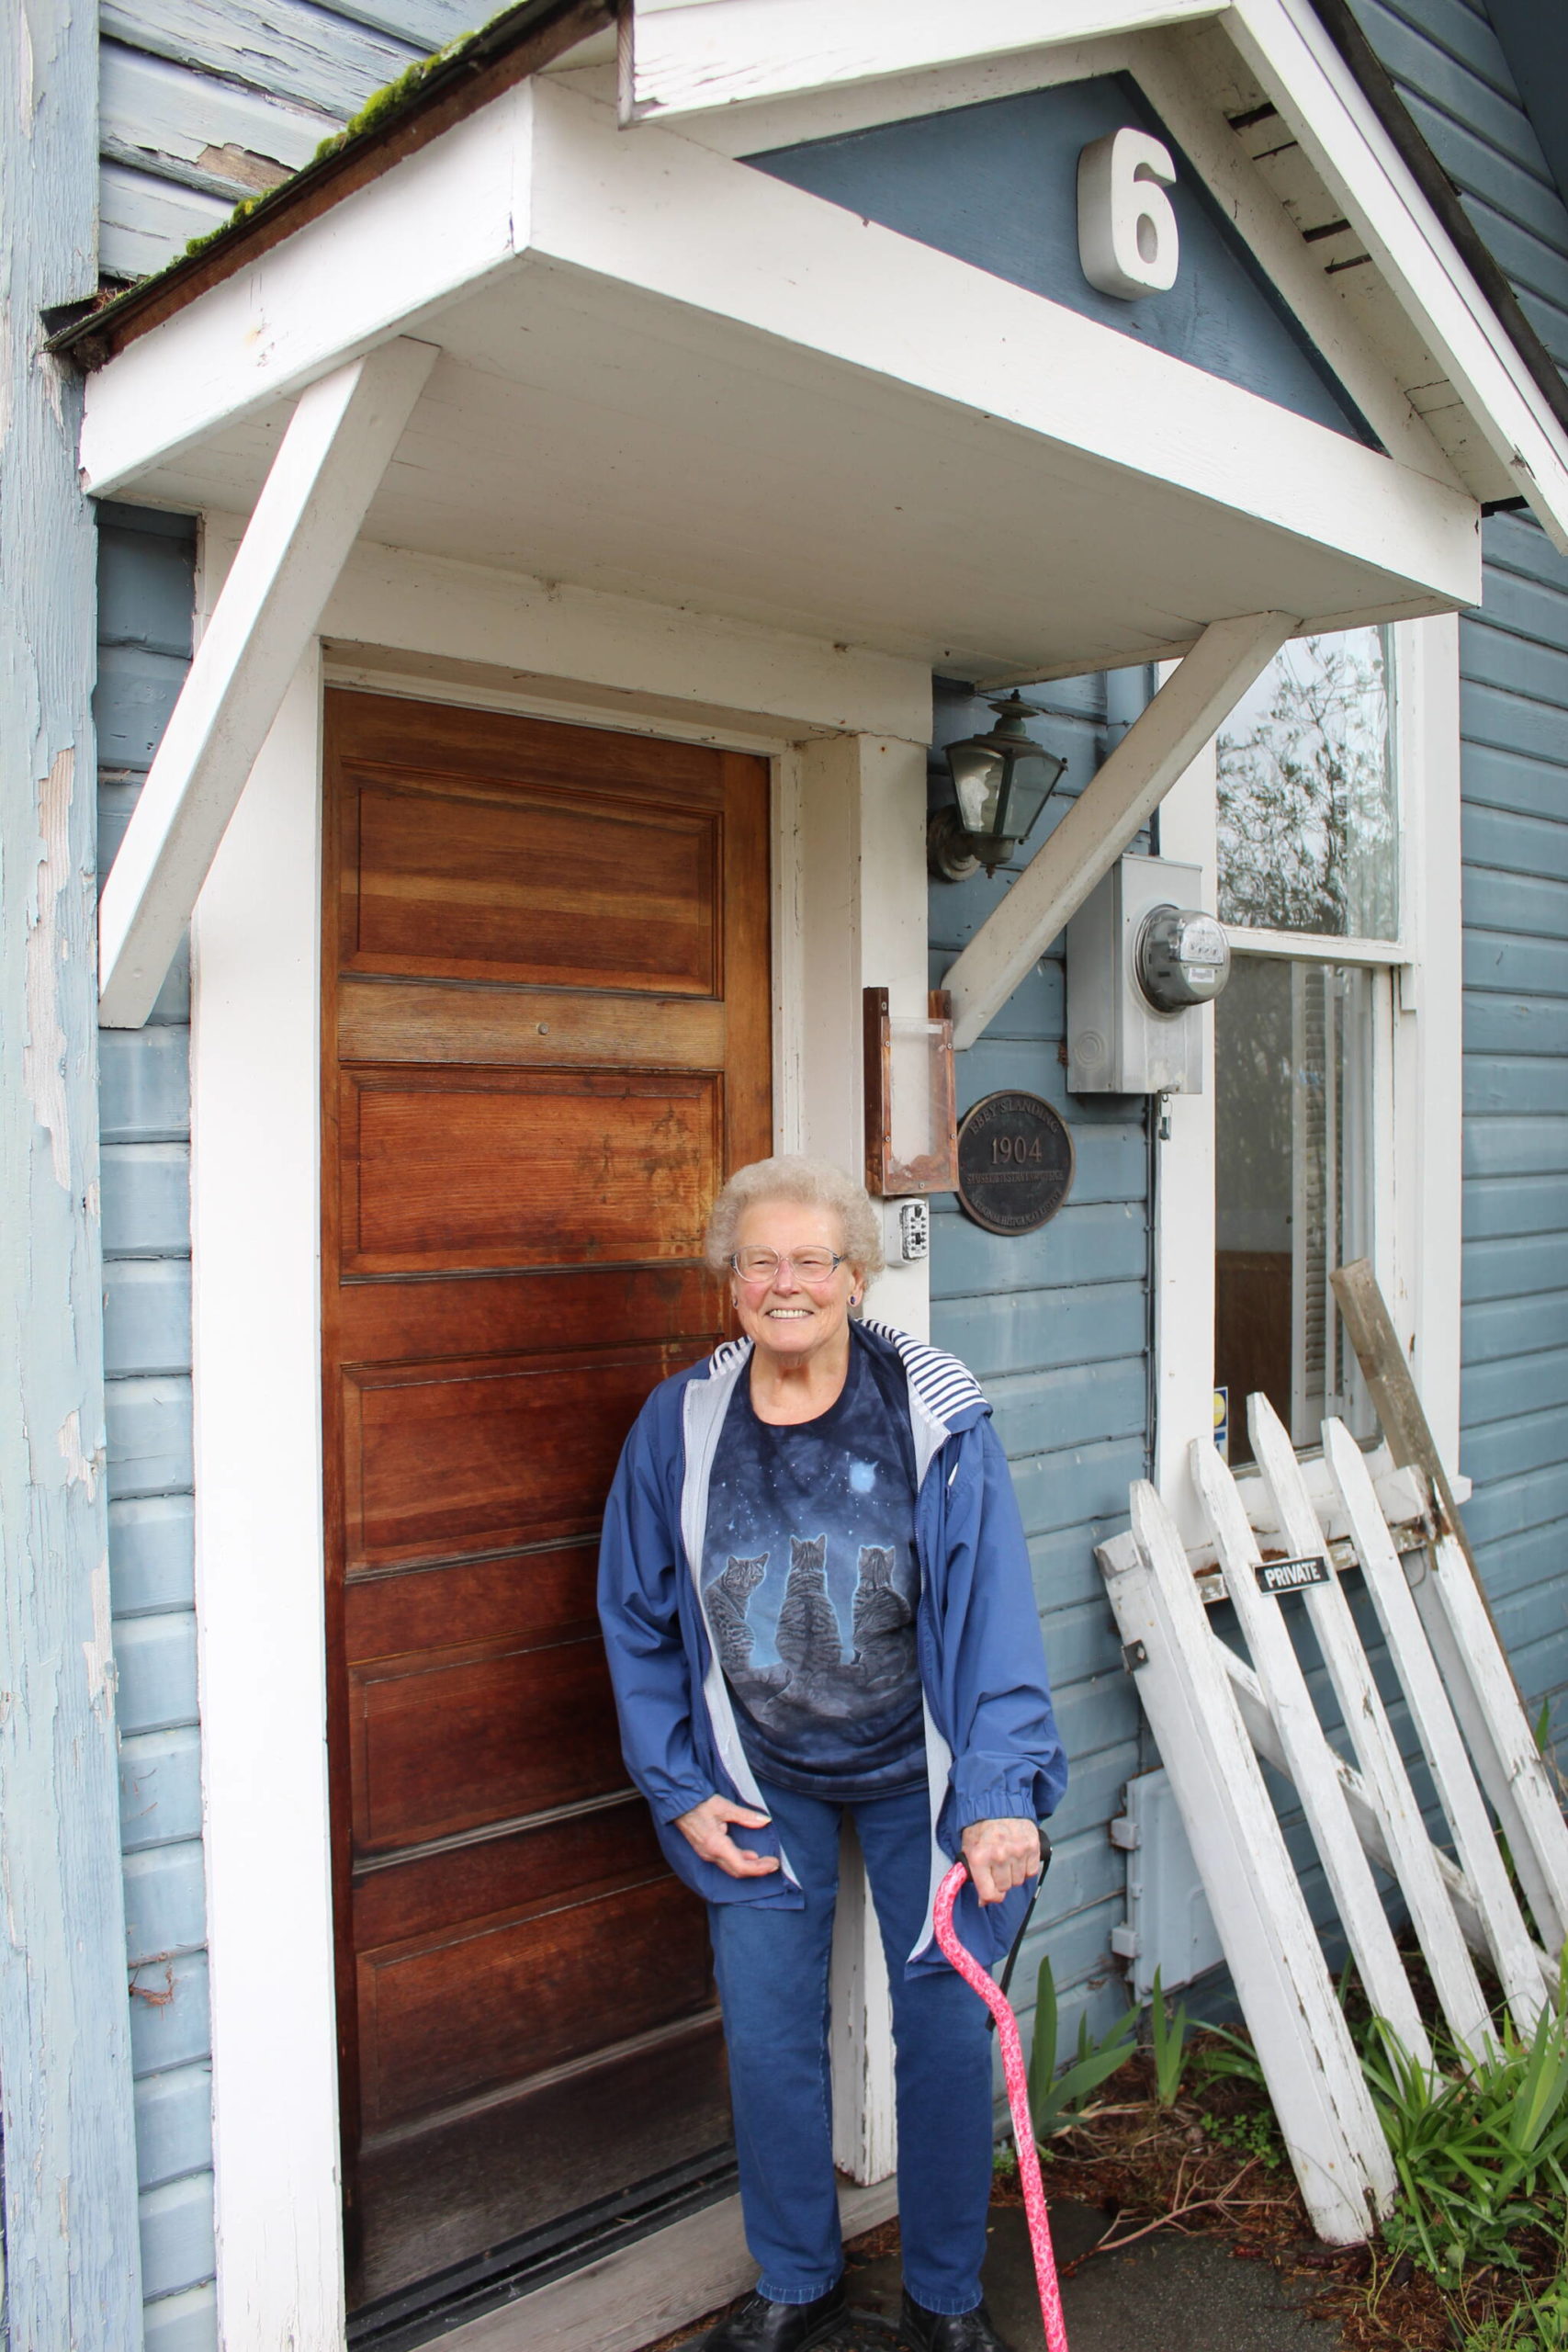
[(1292, 1109), (1308, 813)]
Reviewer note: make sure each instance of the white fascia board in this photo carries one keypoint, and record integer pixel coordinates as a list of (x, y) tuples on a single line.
[(661, 213), (732, 52), (385, 262), (1319, 98)]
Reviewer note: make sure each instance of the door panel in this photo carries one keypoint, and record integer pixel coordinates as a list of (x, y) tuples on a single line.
[(546, 1027), (525, 1167)]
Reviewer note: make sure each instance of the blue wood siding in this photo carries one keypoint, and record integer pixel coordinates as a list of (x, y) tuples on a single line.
[(145, 579), (1514, 672), (204, 102), (1055, 1324), (1457, 81)]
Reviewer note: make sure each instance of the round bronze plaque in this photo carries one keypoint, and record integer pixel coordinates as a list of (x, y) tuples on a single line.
[(1015, 1162)]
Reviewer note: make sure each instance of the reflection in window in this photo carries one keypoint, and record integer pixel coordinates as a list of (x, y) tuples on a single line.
[(1292, 1074), (1307, 808)]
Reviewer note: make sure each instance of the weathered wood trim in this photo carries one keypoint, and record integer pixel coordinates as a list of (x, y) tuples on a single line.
[(518, 44), (1108, 814), (72, 2255), (322, 480), (684, 60), (1354, 155)]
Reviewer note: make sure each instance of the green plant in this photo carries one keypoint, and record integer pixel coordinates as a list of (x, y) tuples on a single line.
[(1055, 2098), (1226, 2053), (1169, 2036), (1253, 2135), (1479, 2156), (1535, 2324)]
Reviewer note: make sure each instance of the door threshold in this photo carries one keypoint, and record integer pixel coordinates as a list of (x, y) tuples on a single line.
[(629, 2297)]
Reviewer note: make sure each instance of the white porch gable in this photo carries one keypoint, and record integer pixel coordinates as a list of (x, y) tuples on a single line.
[(665, 375)]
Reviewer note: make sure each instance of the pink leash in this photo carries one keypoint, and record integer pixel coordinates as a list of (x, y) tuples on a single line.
[(996, 2000)]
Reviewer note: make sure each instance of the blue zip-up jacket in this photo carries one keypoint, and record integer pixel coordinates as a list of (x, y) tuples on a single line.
[(991, 1744)]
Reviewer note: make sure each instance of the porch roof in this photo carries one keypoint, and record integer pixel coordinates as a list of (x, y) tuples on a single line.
[(546, 343), (667, 375)]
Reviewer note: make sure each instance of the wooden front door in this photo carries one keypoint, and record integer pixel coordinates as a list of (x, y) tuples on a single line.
[(547, 1041)]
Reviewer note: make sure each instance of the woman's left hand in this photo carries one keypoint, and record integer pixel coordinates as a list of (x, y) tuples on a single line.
[(1000, 1855)]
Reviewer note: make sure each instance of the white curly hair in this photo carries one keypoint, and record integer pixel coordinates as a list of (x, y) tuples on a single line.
[(794, 1177)]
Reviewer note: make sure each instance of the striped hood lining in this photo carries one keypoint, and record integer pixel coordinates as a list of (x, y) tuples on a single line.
[(946, 1389)]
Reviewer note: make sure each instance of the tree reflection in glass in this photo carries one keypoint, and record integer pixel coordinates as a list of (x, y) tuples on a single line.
[(1308, 809)]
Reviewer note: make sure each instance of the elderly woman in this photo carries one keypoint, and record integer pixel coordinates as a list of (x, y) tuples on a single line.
[(817, 1598)]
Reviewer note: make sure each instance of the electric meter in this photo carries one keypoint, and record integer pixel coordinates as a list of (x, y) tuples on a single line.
[(1182, 959), (1141, 963)]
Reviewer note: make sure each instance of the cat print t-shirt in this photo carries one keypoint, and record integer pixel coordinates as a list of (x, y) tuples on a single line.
[(811, 1583)]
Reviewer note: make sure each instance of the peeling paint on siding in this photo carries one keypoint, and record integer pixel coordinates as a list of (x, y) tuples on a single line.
[(43, 1056)]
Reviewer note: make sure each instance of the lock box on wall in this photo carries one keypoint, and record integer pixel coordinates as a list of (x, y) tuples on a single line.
[(1142, 960)]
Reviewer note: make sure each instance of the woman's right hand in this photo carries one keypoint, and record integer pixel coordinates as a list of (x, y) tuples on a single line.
[(705, 1831)]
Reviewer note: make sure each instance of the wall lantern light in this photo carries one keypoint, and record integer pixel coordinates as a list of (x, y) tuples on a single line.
[(1001, 782)]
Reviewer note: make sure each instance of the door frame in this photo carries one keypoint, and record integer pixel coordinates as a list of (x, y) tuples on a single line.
[(845, 734)]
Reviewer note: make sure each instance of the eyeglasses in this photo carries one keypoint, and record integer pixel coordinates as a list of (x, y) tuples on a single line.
[(808, 1265)]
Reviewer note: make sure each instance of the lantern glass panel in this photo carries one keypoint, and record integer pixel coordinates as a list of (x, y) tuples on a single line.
[(976, 780)]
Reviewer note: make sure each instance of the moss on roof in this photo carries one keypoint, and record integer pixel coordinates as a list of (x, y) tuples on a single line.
[(386, 101)]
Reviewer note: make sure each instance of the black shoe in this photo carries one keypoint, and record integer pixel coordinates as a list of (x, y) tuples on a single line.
[(762, 2326), (948, 2331)]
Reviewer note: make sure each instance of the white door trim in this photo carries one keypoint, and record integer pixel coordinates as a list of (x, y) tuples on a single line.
[(255, 1240)]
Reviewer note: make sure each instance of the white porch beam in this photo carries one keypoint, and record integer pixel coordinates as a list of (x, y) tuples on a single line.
[(691, 60), (322, 480), (1120, 798)]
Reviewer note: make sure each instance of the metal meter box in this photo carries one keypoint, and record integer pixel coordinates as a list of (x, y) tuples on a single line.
[(1118, 1043)]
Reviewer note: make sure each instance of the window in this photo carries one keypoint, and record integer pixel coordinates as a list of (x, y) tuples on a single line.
[(1309, 863)]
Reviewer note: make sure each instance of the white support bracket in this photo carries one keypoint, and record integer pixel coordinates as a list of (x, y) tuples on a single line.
[(1195, 699), (329, 464)]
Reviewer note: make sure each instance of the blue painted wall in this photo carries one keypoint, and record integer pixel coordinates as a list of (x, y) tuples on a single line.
[(996, 185), (1055, 1324), (145, 583), (1459, 83)]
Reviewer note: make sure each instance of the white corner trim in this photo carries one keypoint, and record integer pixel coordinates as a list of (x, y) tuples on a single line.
[(732, 52), (315, 499), (1429, 1024), (1183, 1270), (256, 1192), (1194, 700)]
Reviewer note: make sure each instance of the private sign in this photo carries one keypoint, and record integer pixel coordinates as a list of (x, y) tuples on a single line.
[(1293, 1576)]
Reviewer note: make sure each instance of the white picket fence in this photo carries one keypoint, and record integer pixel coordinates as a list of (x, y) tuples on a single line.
[(1215, 1713)]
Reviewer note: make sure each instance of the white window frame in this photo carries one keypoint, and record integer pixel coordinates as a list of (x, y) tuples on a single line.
[(1417, 1078)]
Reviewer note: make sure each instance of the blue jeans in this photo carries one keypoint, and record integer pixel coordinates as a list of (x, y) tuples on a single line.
[(772, 1968)]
